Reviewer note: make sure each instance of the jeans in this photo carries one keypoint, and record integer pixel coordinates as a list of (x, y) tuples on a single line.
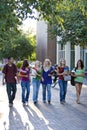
[(11, 91), (63, 89), (25, 90), (48, 88), (36, 86)]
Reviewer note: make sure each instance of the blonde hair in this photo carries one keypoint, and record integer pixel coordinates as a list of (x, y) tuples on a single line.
[(61, 61), (38, 63), (49, 62)]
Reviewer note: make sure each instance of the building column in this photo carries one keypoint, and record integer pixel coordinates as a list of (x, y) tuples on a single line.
[(77, 53), (67, 53)]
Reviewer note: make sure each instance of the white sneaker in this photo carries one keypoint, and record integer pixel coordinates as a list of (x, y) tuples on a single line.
[(26, 103)]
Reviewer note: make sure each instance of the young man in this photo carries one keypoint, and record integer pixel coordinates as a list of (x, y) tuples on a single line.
[(9, 77)]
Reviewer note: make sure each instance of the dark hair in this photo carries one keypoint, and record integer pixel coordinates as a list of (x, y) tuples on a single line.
[(82, 65), (10, 57), (25, 64)]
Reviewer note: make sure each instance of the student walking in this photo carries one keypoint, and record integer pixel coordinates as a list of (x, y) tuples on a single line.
[(46, 80), (25, 81), (62, 70), (9, 77), (79, 77), (36, 80)]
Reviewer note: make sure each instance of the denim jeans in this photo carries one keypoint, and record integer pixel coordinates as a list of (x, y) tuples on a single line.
[(48, 88), (36, 86), (63, 89), (25, 90), (11, 91)]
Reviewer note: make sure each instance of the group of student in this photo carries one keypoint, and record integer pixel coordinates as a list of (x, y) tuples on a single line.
[(41, 74)]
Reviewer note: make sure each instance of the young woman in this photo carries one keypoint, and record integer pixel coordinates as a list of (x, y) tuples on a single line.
[(79, 76), (62, 70), (25, 81), (47, 80), (36, 80)]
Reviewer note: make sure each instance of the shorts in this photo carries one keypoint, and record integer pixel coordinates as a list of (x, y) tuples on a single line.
[(76, 82)]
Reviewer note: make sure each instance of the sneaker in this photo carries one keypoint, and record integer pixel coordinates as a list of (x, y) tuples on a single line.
[(44, 101), (10, 104), (64, 101), (35, 102), (24, 104), (61, 102), (78, 101), (48, 102)]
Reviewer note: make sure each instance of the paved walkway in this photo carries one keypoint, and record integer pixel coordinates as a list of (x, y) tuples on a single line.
[(70, 116)]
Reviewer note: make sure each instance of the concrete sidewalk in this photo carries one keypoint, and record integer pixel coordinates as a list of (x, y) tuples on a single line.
[(70, 116)]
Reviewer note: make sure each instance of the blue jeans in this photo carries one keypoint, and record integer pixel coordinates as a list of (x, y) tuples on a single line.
[(25, 90), (48, 88), (36, 86), (11, 91), (63, 89)]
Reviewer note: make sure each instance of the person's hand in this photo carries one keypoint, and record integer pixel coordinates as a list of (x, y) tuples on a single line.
[(49, 75), (3, 83), (26, 76), (42, 79)]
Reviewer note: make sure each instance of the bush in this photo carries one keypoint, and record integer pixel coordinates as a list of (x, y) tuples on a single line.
[(19, 64)]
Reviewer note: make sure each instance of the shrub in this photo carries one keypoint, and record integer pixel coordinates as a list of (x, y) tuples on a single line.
[(19, 64)]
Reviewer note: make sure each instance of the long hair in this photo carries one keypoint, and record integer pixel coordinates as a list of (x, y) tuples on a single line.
[(82, 65), (38, 63), (25, 64), (61, 61), (49, 63)]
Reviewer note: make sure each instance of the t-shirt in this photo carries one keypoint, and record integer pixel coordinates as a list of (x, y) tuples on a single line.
[(10, 73), (79, 78), (61, 70), (46, 77), (36, 71), (25, 72)]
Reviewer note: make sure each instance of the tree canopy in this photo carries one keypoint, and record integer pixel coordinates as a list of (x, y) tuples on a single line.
[(72, 23), (68, 19)]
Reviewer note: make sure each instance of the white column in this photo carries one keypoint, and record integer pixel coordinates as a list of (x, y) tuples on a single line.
[(67, 53), (58, 48), (77, 54)]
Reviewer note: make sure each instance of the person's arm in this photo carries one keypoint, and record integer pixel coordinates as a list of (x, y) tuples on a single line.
[(3, 79), (82, 75), (4, 75), (33, 73), (51, 71)]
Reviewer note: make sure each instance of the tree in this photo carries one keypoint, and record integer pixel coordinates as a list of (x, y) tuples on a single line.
[(22, 48), (68, 20), (74, 23), (58, 13), (32, 39)]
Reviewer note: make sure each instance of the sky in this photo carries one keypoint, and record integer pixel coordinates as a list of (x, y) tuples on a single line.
[(29, 25)]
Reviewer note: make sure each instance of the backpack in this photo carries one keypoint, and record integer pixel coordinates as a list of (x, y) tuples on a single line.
[(72, 79)]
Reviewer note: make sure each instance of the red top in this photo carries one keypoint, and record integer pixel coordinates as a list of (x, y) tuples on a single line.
[(61, 70), (10, 73)]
